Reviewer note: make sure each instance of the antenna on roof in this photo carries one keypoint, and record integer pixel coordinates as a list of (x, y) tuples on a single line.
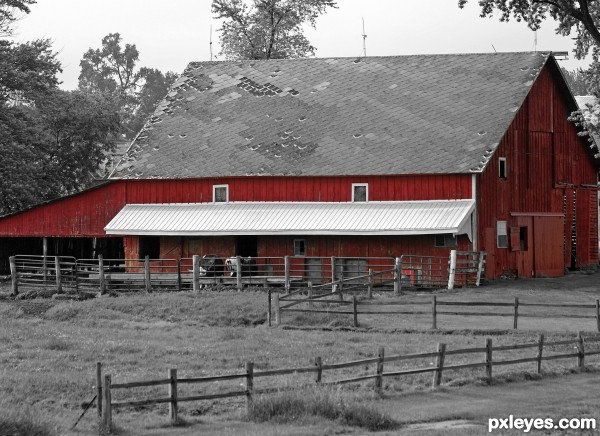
[(364, 39), (210, 43), (494, 48)]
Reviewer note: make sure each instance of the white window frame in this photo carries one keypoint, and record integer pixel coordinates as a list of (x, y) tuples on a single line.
[(501, 230), (297, 245), (215, 187), (502, 162), (356, 185), (450, 240)]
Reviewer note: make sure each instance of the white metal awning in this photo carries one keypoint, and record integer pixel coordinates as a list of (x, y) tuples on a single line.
[(298, 218)]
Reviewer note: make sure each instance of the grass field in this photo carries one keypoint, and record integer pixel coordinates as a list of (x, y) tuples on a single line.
[(49, 349)]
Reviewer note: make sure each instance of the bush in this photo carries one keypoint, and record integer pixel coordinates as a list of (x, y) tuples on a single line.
[(22, 423), (299, 404)]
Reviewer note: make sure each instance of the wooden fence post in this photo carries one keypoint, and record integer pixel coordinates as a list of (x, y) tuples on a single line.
[(249, 385), (58, 274), (196, 273), (276, 308), (434, 312), (179, 274), (488, 359), (580, 352), (286, 267), (319, 365), (332, 273), (238, 272), (516, 314), (147, 277), (106, 407), (173, 395), (310, 294), (439, 364), (370, 285), (397, 276), (99, 388), (13, 275), (598, 315), (540, 353), (379, 379), (45, 260), (355, 310), (101, 276), (269, 307), (452, 270)]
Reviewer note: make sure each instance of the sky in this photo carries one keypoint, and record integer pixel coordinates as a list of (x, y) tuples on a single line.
[(171, 34)]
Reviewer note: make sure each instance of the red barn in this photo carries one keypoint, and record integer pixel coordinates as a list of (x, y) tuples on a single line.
[(365, 157)]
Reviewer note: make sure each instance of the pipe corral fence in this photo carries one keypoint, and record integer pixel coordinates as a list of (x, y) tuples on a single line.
[(69, 275)]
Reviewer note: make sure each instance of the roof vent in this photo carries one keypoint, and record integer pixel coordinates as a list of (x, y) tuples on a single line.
[(357, 135)]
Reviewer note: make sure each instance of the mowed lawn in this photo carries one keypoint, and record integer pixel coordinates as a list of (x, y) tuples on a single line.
[(49, 350)]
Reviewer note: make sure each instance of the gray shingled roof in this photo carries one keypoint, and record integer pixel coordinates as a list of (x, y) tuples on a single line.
[(338, 116)]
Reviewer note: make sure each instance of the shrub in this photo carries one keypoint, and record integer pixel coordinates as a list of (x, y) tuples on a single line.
[(20, 422), (300, 404)]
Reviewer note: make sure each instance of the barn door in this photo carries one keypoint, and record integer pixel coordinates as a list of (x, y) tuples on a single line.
[(522, 244), (548, 242)]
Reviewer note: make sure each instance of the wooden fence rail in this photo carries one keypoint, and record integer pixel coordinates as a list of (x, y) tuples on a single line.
[(287, 304), (488, 353)]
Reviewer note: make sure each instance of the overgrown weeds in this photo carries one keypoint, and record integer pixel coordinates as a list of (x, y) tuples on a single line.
[(22, 422), (332, 404)]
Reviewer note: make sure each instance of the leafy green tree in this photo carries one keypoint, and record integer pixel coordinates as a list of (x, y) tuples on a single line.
[(112, 70), (268, 29)]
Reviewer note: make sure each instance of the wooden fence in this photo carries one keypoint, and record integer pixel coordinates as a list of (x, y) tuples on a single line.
[(488, 353), (120, 275), (434, 308)]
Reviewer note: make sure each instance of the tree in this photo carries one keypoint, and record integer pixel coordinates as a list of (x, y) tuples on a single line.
[(579, 16), (269, 29), (582, 16), (27, 69), (112, 71), (9, 13), (155, 88), (51, 141), (576, 80), (53, 147)]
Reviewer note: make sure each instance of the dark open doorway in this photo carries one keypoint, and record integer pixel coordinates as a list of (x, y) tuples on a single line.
[(246, 246)]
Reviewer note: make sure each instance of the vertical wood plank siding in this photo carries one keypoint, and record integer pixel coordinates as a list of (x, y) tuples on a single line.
[(547, 166), (87, 213)]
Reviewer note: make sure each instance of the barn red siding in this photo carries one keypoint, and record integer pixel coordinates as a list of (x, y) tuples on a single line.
[(87, 213), (547, 166)]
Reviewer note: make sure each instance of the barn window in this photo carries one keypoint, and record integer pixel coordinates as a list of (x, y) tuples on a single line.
[(299, 247), (445, 240), (150, 246), (360, 192), (220, 193), (501, 234), (502, 168)]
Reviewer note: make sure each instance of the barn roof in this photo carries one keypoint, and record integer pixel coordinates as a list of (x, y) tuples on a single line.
[(336, 116), (291, 218)]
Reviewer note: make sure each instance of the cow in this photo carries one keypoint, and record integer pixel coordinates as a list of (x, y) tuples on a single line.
[(248, 265), (211, 265)]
